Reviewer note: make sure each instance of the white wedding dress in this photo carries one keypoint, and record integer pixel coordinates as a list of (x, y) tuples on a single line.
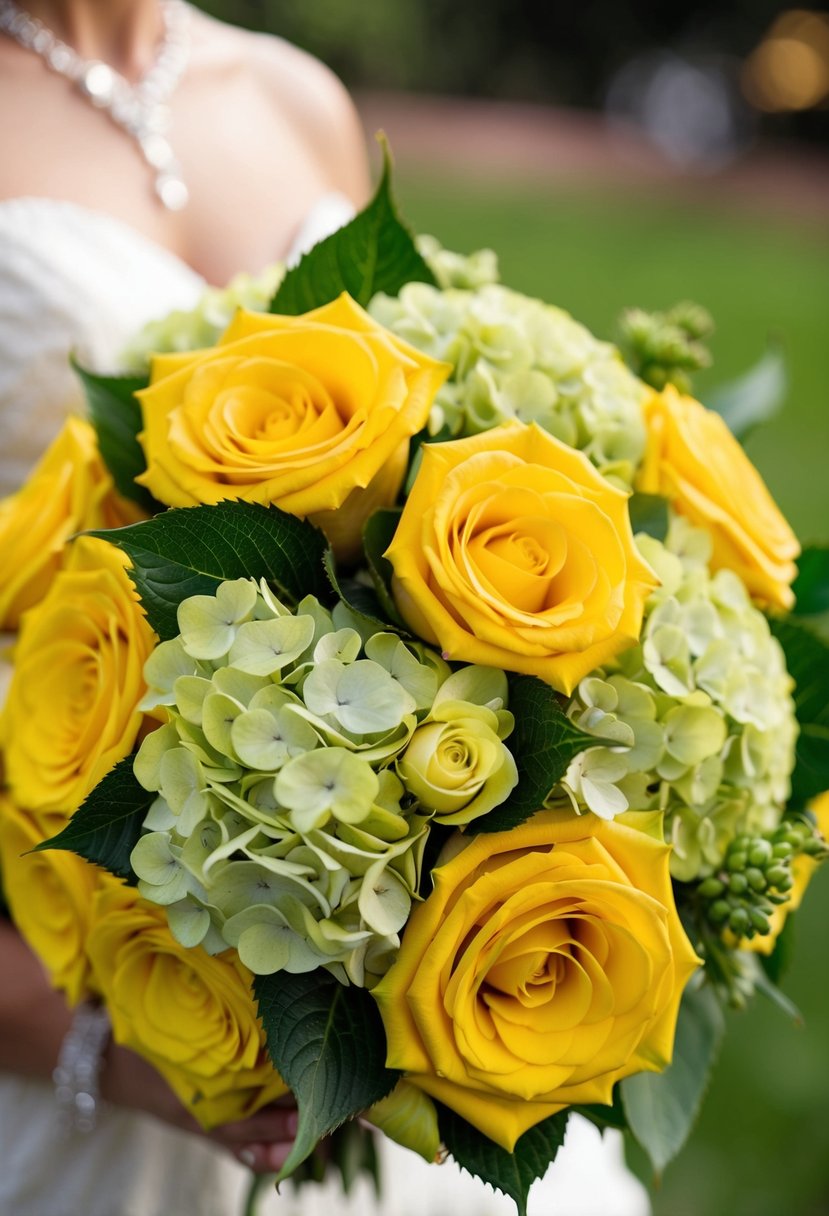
[(74, 279)]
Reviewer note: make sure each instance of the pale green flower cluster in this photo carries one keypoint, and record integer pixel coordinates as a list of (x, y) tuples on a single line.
[(466, 270), (701, 708), (516, 357), (203, 325), (294, 785)]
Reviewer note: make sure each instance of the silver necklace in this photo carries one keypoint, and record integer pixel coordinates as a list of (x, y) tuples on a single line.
[(140, 110)]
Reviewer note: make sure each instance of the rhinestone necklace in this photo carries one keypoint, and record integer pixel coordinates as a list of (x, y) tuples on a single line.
[(141, 109)]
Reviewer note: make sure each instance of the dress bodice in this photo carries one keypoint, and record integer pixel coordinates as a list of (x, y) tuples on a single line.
[(77, 280)]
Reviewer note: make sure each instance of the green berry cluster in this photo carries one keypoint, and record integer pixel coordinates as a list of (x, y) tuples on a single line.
[(666, 347), (756, 876)]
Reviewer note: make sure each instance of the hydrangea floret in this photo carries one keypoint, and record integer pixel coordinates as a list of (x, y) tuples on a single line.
[(517, 357), (296, 778), (701, 711)]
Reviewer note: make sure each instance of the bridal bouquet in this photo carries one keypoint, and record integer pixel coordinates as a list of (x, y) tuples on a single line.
[(436, 699)]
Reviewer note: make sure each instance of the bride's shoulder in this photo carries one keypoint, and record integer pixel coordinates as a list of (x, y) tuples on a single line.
[(294, 86)]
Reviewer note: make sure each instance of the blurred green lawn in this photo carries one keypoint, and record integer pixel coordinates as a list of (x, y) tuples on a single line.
[(761, 1147)]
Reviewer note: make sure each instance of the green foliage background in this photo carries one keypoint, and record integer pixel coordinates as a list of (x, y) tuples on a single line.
[(761, 1147)]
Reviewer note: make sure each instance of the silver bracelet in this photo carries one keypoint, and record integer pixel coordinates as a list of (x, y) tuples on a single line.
[(79, 1066)]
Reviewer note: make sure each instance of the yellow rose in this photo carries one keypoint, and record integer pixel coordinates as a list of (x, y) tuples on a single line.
[(49, 896), (547, 964), (78, 676), (693, 460), (191, 1014), (311, 413), (513, 551), (69, 491)]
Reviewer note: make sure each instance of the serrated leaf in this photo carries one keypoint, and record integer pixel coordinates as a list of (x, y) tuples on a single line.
[(375, 252), (603, 1116), (116, 416), (811, 587), (754, 397), (661, 1107), (377, 536), (190, 550), (649, 514), (807, 658), (106, 827), (328, 1043), (543, 743), (511, 1173)]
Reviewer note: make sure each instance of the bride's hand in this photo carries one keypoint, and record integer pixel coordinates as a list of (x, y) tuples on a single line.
[(261, 1142)]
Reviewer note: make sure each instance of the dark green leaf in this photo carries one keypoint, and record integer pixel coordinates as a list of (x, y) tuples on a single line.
[(116, 417), (811, 587), (512, 1173), (106, 827), (328, 1043), (767, 988), (375, 252), (754, 397), (362, 600), (377, 536), (543, 743), (661, 1107), (190, 550), (605, 1116), (778, 962), (649, 513), (807, 658)]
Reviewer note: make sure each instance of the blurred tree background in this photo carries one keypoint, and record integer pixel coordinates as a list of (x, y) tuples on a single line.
[(761, 1147)]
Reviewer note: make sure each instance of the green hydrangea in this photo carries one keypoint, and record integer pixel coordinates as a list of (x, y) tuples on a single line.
[(202, 326), (291, 812), (701, 712), (516, 357)]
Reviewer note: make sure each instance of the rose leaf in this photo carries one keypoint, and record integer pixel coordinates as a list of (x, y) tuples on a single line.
[(107, 826), (807, 659), (190, 550), (661, 1107), (543, 743), (754, 397), (511, 1173), (375, 252), (378, 533), (116, 416), (811, 587), (327, 1042)]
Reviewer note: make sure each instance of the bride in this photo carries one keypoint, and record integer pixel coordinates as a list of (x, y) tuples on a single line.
[(147, 151)]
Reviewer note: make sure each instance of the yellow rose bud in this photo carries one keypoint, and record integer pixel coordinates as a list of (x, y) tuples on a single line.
[(311, 413), (191, 1014), (456, 765), (49, 896), (547, 964), (71, 711), (693, 460), (69, 491), (514, 552)]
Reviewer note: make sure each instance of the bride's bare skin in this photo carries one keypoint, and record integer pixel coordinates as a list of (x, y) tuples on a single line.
[(262, 131)]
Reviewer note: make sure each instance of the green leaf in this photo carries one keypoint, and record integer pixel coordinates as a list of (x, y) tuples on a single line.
[(649, 514), (511, 1173), (755, 397), (328, 1043), (362, 600), (375, 252), (106, 827), (190, 550), (605, 1116), (807, 658), (543, 743), (811, 587), (116, 417), (661, 1107), (377, 536)]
